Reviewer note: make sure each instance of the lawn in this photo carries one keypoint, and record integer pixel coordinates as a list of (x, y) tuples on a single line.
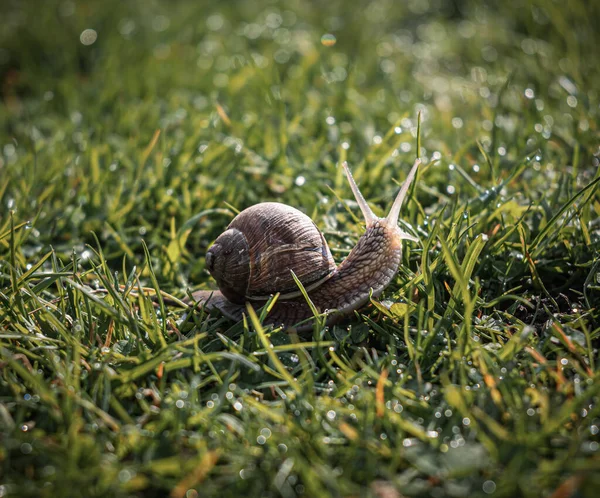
[(132, 132)]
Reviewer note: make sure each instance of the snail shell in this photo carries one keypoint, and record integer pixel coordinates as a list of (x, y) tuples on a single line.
[(255, 257), (248, 258)]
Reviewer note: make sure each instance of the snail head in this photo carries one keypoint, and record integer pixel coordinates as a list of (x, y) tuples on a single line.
[(391, 220)]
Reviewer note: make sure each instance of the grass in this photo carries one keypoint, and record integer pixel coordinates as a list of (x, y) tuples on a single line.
[(477, 372)]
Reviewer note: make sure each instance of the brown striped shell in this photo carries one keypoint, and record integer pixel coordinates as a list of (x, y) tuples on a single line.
[(254, 258)]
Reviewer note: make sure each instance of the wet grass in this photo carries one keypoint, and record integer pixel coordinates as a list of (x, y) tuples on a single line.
[(121, 160)]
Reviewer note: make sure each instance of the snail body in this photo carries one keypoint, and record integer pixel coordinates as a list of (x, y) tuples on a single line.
[(255, 257)]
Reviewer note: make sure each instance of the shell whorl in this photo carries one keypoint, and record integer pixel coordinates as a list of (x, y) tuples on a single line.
[(252, 259)]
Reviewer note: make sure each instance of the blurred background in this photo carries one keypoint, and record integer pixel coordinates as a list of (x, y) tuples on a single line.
[(259, 100)]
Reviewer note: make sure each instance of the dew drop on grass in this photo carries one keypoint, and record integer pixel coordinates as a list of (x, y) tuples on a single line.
[(489, 487), (457, 123), (328, 40), (88, 36)]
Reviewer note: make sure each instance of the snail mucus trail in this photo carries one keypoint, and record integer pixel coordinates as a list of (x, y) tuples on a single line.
[(251, 271)]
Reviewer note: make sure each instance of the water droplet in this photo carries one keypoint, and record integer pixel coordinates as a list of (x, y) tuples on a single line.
[(489, 487), (328, 40), (125, 475), (457, 123), (88, 36)]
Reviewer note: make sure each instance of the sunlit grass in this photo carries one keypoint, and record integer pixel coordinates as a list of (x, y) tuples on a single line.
[(124, 154)]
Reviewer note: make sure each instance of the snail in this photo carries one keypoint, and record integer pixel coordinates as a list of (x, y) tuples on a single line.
[(255, 257)]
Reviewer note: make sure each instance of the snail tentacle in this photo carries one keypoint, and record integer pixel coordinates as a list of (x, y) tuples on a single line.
[(360, 200)]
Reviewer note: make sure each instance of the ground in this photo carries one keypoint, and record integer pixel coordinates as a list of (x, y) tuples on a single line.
[(132, 132)]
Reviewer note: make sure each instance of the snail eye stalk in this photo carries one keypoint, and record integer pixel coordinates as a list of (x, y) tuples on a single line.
[(370, 218), (392, 217)]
